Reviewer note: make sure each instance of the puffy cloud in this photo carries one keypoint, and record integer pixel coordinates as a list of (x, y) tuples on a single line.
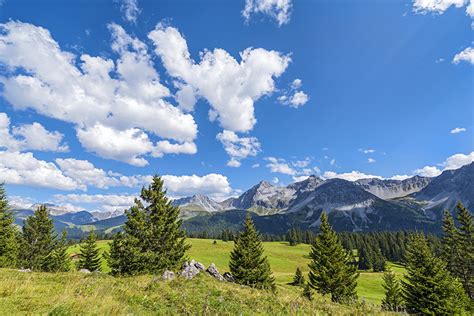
[(279, 165), (400, 177), (458, 130), (440, 6), (25, 169), (349, 176), (230, 87), (238, 147), (214, 185), (165, 147), (466, 55), (294, 97), (100, 202), (280, 10), (458, 160), (130, 10), (84, 172), (428, 171), (29, 137), (123, 97), (234, 163), (370, 160)]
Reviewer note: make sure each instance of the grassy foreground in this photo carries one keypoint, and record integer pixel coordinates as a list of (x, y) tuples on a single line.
[(75, 293), (284, 260)]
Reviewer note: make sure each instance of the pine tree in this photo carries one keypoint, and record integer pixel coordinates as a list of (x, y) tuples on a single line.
[(298, 279), (332, 270), (8, 233), (57, 260), (378, 261), (465, 267), (307, 292), (247, 263), (393, 300), (365, 262), (153, 240), (89, 257), (450, 243), (429, 288), (38, 239)]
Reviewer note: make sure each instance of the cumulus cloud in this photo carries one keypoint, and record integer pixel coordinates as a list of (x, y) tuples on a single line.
[(29, 137), (230, 87), (428, 171), (130, 10), (123, 97), (299, 178), (99, 202), (440, 6), (466, 55), (25, 169), (238, 147), (453, 162), (279, 165), (294, 97), (349, 176), (280, 10), (458, 130), (214, 185)]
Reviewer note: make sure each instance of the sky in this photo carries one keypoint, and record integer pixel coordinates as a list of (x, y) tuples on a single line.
[(215, 96)]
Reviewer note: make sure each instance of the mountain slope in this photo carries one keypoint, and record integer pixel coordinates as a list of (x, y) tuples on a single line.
[(389, 189)]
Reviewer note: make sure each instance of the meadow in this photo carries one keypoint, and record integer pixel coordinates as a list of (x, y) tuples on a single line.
[(284, 260)]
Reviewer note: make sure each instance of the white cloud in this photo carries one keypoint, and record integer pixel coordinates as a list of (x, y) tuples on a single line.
[(165, 147), (349, 176), (299, 178), (458, 160), (214, 185), (428, 171), (458, 130), (102, 202), (256, 165), (275, 180), (238, 147), (466, 55), (29, 137), (230, 87), (296, 84), (234, 163), (294, 97), (439, 6), (302, 163), (278, 165), (25, 169), (130, 10), (332, 162), (400, 177), (367, 151), (370, 160), (280, 10), (124, 97)]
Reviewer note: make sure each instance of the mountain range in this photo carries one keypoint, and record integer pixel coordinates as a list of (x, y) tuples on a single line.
[(362, 205)]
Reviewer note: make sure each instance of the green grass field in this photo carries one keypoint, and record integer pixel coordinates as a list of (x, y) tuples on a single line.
[(284, 260)]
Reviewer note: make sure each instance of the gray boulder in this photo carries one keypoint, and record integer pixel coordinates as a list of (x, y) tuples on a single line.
[(24, 270), (228, 277), (212, 270), (199, 265), (168, 275), (189, 270), (84, 271)]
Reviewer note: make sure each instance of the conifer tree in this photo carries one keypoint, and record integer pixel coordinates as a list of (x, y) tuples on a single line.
[(89, 257), (307, 292), (365, 261), (298, 279), (57, 260), (378, 261), (247, 263), (8, 233), (332, 270), (429, 288), (450, 242), (466, 250), (393, 300), (153, 240)]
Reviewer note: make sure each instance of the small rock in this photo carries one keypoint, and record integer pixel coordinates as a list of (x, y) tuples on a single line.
[(168, 275), (189, 270), (24, 270), (84, 271), (228, 277), (212, 270), (200, 266)]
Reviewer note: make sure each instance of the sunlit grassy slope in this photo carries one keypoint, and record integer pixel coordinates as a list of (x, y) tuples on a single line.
[(284, 260)]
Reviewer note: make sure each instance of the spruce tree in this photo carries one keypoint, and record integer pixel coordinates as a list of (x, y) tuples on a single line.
[(393, 300), (89, 257), (378, 261), (465, 266), (365, 261), (298, 279), (332, 270), (8, 233), (247, 263), (153, 240), (450, 243), (429, 288), (57, 260)]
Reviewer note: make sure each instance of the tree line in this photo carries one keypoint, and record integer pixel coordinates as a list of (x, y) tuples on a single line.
[(153, 241)]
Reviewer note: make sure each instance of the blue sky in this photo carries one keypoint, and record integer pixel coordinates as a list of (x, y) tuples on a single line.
[(96, 96)]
